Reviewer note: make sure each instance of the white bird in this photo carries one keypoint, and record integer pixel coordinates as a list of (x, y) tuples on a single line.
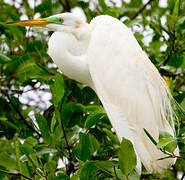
[(106, 56)]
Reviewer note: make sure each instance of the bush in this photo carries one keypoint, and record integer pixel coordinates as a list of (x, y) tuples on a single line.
[(52, 127)]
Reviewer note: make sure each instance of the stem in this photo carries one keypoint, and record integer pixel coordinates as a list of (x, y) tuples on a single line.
[(17, 152), (16, 174), (65, 5), (20, 115), (116, 174), (140, 10), (68, 7), (63, 129), (70, 166), (172, 51), (183, 176), (172, 155), (65, 137), (127, 178)]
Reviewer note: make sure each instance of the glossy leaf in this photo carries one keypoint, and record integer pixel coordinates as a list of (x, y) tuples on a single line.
[(43, 126), (4, 58), (112, 136), (127, 157), (7, 161), (57, 89), (167, 142), (92, 119)]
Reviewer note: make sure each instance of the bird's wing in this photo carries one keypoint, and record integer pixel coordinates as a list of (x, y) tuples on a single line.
[(131, 89)]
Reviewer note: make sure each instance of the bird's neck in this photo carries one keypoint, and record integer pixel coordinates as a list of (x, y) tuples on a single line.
[(82, 31), (68, 51)]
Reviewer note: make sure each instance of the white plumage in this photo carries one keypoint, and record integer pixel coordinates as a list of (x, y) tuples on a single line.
[(131, 89), (106, 56)]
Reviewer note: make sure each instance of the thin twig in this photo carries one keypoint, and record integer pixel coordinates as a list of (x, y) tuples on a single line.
[(16, 174), (116, 174), (172, 51), (68, 6), (20, 115), (127, 178), (65, 5), (183, 176), (171, 154), (63, 129), (70, 166), (140, 10), (65, 137)]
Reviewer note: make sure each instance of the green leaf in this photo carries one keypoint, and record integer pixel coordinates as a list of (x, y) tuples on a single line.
[(32, 141), (102, 4), (62, 176), (71, 114), (94, 108), (91, 169), (18, 155), (3, 118), (176, 8), (127, 157), (57, 89), (88, 171), (46, 4), (113, 137), (7, 161), (32, 71), (25, 169), (27, 149), (34, 159), (50, 166), (150, 137), (92, 119), (53, 122), (83, 148), (87, 146), (94, 144), (43, 126), (176, 60), (75, 177), (167, 142), (4, 59)]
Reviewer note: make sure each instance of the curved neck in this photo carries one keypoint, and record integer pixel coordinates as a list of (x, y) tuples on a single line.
[(68, 51)]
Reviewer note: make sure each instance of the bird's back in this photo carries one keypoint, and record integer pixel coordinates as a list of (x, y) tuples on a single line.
[(131, 89)]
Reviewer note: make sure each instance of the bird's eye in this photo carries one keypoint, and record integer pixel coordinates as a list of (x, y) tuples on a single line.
[(61, 20)]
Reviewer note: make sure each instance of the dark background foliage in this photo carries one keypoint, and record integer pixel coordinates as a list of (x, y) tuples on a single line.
[(52, 127)]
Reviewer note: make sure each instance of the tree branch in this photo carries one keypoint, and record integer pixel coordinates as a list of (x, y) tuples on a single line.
[(65, 137), (16, 174), (172, 155), (183, 176), (66, 5), (140, 10), (116, 174), (20, 115), (172, 51), (70, 167)]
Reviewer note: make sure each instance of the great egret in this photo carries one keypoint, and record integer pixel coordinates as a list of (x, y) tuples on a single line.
[(106, 56)]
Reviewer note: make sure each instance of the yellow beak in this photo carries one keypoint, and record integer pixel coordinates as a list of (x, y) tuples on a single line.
[(32, 23)]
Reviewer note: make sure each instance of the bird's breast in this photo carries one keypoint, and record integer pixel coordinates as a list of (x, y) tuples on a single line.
[(69, 54)]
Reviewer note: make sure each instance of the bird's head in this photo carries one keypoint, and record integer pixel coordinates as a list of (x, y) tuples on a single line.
[(59, 22)]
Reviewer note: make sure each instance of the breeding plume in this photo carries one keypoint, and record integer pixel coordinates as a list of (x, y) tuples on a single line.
[(106, 56)]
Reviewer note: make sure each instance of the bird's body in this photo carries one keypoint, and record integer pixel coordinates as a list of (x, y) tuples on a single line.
[(106, 56)]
